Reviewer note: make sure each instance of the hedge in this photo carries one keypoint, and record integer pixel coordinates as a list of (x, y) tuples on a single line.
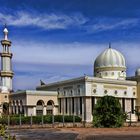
[(14, 120)]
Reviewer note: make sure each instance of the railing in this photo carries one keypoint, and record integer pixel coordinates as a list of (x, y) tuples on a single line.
[(130, 113)]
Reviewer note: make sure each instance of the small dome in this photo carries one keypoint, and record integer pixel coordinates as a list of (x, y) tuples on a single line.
[(137, 73)]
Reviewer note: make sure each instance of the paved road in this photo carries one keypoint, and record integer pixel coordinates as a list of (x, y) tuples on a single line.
[(58, 134), (43, 134)]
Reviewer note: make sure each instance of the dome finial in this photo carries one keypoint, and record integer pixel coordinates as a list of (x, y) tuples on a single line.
[(109, 45)]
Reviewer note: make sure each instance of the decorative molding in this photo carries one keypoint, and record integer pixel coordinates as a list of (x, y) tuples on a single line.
[(99, 69), (6, 42), (6, 55), (115, 87), (6, 73), (94, 85)]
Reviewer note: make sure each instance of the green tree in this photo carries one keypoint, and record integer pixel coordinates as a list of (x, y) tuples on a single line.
[(108, 113)]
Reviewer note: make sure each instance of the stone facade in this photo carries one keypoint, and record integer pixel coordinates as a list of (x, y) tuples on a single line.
[(33, 102)]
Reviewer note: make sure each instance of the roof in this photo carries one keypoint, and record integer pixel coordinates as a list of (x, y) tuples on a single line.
[(35, 92), (89, 79)]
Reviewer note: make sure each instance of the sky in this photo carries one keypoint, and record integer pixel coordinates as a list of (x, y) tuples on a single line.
[(54, 40)]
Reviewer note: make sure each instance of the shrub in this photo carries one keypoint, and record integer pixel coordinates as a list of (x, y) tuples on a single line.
[(14, 120), (48, 119), (108, 113), (25, 119)]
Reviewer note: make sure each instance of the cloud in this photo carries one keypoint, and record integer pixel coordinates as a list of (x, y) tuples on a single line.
[(54, 62), (51, 21), (60, 53), (39, 56), (106, 24), (69, 53), (45, 21)]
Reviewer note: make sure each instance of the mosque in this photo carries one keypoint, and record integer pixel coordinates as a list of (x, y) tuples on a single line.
[(76, 96)]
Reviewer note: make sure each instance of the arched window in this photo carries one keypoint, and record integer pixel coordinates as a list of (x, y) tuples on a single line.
[(50, 105), (39, 107)]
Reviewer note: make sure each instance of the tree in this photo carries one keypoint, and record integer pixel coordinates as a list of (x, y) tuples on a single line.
[(108, 113)]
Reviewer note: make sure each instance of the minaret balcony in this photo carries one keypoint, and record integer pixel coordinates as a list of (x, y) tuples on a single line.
[(6, 42), (6, 54), (6, 73)]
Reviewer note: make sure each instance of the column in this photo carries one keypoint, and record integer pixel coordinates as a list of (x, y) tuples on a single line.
[(34, 111), (63, 107), (20, 108), (78, 106), (88, 109), (83, 109), (127, 105), (44, 110), (14, 109), (25, 111), (68, 106), (75, 106), (17, 109)]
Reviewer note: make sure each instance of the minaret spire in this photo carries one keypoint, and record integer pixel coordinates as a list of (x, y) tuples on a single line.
[(5, 31), (6, 72)]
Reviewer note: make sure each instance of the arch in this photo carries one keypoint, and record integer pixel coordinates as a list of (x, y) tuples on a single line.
[(40, 102), (50, 102), (50, 106), (39, 107)]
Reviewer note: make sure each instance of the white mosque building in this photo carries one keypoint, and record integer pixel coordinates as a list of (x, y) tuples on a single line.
[(76, 96)]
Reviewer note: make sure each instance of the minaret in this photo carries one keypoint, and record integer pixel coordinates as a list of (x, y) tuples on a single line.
[(6, 72)]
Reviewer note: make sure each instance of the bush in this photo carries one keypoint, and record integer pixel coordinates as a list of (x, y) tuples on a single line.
[(15, 120), (25, 120), (108, 113), (3, 120)]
